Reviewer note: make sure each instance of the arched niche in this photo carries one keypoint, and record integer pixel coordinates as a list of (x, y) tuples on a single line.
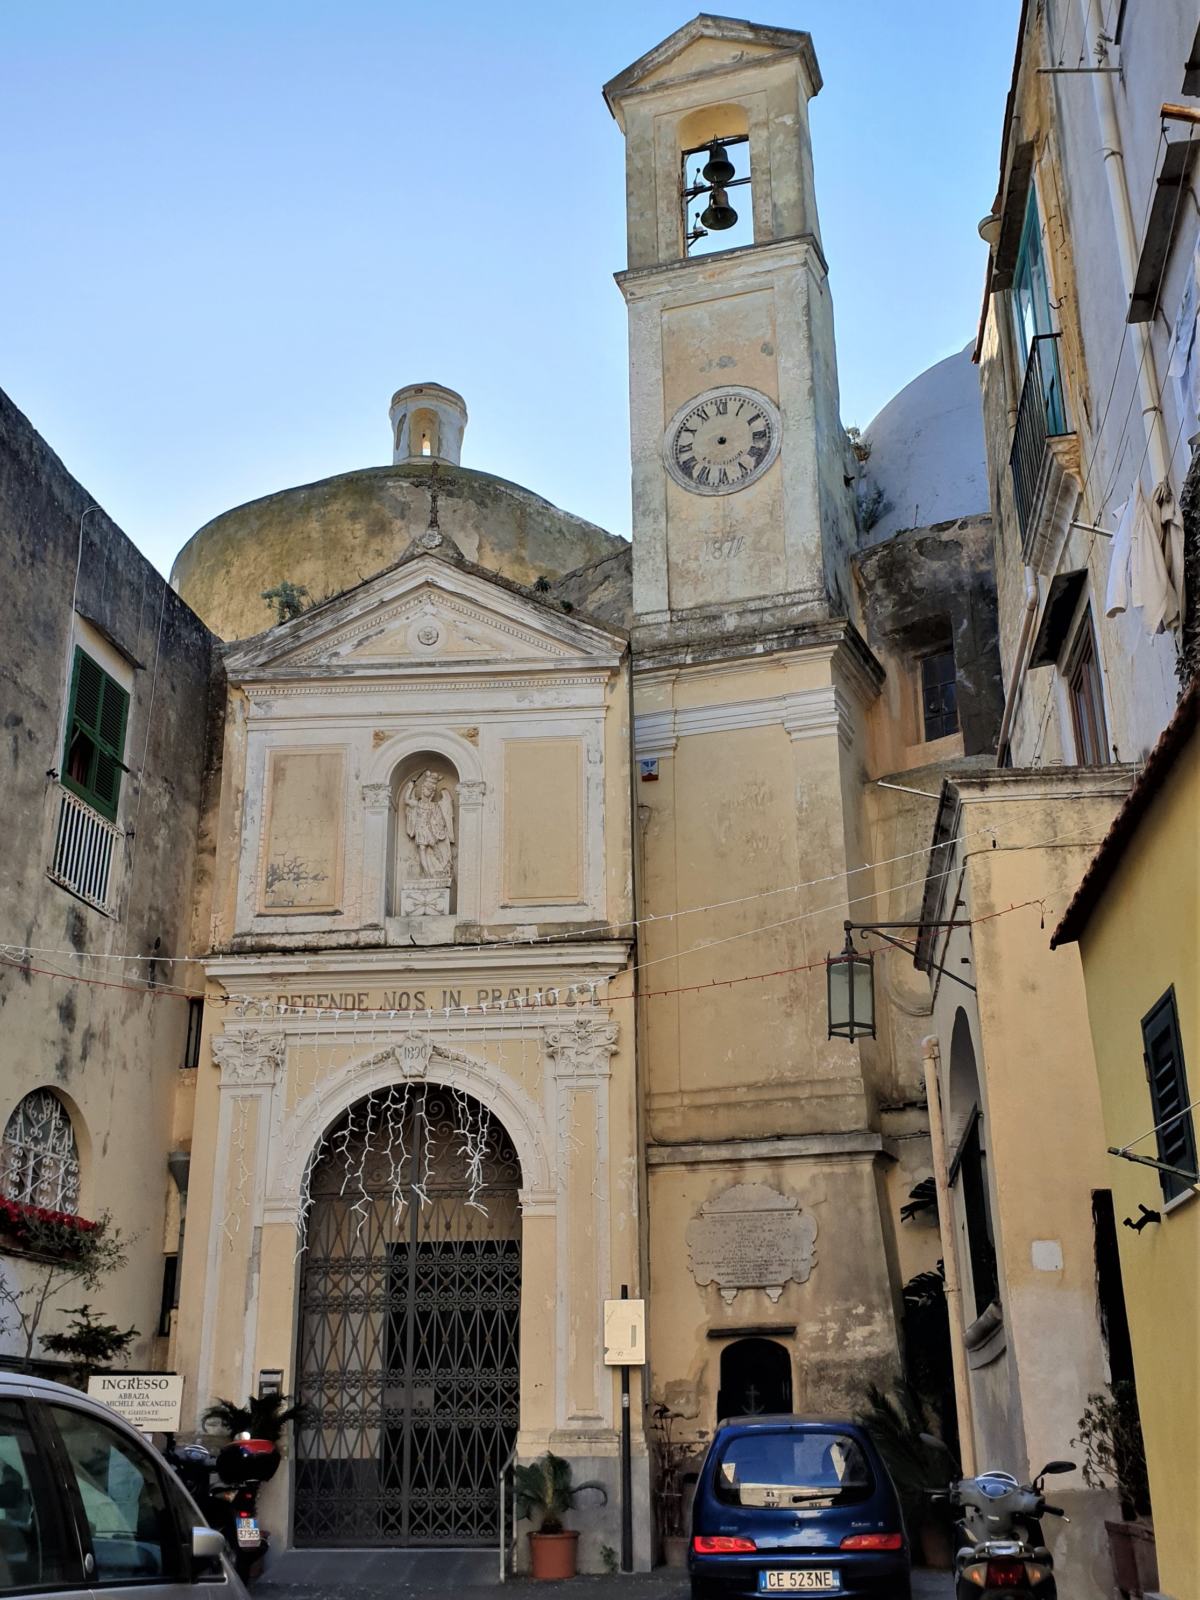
[(423, 851)]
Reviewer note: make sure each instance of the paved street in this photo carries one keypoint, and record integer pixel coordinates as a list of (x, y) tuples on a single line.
[(346, 1575)]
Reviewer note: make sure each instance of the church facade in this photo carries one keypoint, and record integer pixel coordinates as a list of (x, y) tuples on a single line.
[(522, 860)]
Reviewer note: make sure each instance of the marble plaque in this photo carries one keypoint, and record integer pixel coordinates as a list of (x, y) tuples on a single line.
[(751, 1237)]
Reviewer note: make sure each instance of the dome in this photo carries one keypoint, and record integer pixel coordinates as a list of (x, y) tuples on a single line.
[(928, 463), (324, 537)]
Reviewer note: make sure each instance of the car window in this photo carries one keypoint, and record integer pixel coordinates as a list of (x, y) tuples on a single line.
[(793, 1467), (37, 1550), (134, 1537)]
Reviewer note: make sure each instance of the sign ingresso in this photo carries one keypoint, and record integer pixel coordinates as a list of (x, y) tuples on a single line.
[(151, 1401)]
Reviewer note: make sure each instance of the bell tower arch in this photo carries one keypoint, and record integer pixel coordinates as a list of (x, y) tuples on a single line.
[(740, 506)]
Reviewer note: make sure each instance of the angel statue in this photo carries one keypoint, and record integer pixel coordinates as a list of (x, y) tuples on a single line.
[(429, 820)]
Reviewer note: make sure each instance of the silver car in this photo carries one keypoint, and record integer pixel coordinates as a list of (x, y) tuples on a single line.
[(87, 1507)]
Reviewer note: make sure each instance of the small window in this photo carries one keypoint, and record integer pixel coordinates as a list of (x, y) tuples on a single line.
[(1086, 697), (170, 1295), (35, 1552), (939, 695), (133, 1532), (1169, 1098), (39, 1159), (195, 1026), (95, 743)]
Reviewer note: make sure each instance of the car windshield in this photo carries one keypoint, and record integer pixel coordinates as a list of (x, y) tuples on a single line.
[(793, 1467)]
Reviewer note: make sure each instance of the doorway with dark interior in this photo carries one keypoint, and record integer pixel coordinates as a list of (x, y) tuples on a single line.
[(756, 1379)]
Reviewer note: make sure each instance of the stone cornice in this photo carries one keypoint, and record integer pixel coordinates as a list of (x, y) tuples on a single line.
[(590, 959), (802, 1146)]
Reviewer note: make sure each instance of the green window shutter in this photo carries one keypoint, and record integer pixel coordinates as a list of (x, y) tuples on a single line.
[(1167, 1077), (99, 710)]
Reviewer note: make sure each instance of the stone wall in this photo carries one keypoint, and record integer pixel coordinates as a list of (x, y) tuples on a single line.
[(112, 1054)]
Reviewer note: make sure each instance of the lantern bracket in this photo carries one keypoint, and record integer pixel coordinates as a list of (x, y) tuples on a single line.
[(881, 929)]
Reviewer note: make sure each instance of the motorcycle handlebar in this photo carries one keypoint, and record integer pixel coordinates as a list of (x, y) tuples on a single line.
[(1053, 1511)]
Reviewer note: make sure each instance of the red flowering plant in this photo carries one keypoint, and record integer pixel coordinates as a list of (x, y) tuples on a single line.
[(40, 1230), (63, 1251)]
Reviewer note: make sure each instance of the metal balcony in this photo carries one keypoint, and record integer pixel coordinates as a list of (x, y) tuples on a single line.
[(84, 846), (1041, 417)]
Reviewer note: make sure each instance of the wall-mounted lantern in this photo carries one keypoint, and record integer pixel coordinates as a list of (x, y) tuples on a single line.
[(850, 977)]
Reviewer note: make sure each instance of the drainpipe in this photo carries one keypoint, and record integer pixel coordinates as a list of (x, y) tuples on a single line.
[(1018, 666), (1105, 96), (932, 1055)]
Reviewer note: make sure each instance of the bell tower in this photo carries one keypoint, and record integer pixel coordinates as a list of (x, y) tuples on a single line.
[(749, 690), (741, 514)]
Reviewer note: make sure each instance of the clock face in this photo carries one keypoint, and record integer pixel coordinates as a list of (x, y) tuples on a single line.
[(722, 440)]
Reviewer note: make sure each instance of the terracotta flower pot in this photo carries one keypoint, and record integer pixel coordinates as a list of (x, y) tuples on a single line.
[(553, 1555), (675, 1549), (1134, 1559)]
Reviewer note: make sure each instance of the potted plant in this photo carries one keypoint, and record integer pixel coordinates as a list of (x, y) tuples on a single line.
[(670, 1458), (1110, 1432), (918, 1462), (544, 1493), (264, 1416)]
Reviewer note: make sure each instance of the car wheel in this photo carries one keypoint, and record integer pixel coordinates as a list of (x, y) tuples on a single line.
[(704, 1589)]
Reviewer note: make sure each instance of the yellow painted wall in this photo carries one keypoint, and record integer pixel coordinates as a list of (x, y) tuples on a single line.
[(1141, 939)]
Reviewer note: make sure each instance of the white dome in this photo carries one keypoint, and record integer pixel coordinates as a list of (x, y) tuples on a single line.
[(927, 452)]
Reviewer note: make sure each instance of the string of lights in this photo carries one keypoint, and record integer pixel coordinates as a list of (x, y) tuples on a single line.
[(604, 929), (376, 1015)]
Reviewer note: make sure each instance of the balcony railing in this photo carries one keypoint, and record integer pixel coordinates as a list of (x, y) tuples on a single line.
[(84, 843), (1041, 415)]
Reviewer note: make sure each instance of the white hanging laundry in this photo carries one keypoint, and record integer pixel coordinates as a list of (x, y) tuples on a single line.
[(1138, 574), (1185, 349), (1116, 593), (1170, 546)]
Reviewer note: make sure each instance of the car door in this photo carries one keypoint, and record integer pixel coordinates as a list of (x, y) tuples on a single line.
[(40, 1552), (123, 1507)]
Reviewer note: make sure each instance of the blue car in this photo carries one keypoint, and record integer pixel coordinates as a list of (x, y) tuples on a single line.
[(796, 1505)]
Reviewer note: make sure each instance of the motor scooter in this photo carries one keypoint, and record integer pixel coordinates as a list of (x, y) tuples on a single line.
[(1002, 1554), (225, 1486)]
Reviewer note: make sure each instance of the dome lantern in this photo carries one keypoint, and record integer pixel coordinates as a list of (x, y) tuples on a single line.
[(427, 424)]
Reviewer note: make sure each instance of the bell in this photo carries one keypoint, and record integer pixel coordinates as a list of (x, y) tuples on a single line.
[(718, 169), (718, 214)]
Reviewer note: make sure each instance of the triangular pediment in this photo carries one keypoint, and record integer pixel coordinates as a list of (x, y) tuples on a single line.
[(430, 617), (710, 44)]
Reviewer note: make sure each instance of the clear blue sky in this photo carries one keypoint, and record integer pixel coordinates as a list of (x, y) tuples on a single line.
[(233, 227)]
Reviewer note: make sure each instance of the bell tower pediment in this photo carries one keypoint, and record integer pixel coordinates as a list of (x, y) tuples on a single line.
[(705, 45)]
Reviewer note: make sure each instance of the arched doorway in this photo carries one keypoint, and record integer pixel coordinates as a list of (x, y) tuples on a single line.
[(756, 1379), (409, 1311)]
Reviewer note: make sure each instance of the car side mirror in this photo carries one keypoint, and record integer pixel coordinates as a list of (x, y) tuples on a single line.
[(1057, 1466), (207, 1544)]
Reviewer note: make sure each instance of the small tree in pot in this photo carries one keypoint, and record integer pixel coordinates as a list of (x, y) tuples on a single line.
[(1110, 1431), (544, 1494)]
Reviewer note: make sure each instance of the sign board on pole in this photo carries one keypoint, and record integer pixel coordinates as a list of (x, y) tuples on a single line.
[(151, 1401), (624, 1333)]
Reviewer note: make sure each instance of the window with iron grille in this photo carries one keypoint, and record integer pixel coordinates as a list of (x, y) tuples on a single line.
[(39, 1159), (939, 694), (1169, 1098), (95, 743)]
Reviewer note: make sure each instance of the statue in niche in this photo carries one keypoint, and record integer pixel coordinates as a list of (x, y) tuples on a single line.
[(429, 822)]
